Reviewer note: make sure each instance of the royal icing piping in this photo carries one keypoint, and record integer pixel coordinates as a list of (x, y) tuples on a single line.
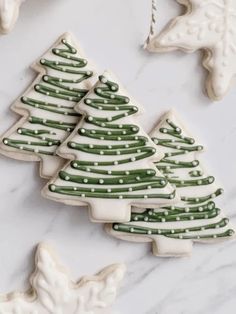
[(112, 153), (196, 217), (50, 102)]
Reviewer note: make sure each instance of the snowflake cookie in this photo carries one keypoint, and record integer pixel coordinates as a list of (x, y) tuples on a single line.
[(209, 25), (9, 11), (52, 290)]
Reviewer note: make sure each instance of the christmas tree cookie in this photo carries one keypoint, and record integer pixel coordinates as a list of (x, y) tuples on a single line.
[(112, 165), (196, 218), (52, 290), (47, 107)]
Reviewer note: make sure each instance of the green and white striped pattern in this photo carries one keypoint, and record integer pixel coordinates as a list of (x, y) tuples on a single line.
[(113, 155), (63, 81), (196, 217)]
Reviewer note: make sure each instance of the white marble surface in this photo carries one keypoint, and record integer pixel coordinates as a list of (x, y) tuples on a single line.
[(111, 33)]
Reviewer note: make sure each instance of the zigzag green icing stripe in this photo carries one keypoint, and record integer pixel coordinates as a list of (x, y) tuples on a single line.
[(200, 208), (193, 233), (55, 88), (128, 146)]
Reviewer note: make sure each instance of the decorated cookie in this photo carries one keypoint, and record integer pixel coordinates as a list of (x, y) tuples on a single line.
[(53, 292), (196, 218), (207, 25), (112, 158), (9, 11), (47, 107)]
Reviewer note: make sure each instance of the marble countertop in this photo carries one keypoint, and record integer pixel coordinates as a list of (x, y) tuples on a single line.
[(111, 33)]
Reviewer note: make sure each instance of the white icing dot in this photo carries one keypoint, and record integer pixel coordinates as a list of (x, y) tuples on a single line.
[(82, 130), (116, 163), (145, 196), (104, 80), (116, 227), (131, 229), (130, 190), (146, 218), (101, 181), (90, 118), (87, 101), (121, 181), (52, 187), (67, 178), (120, 197), (149, 232), (109, 190), (133, 159), (85, 180)]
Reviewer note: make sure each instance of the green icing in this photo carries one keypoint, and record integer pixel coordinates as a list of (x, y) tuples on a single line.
[(52, 89), (94, 179), (201, 208)]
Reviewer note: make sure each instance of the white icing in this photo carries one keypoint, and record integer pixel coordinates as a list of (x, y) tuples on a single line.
[(50, 163), (9, 11), (104, 209), (164, 246), (209, 25), (54, 293)]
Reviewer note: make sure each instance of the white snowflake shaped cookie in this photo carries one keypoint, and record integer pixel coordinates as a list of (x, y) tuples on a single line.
[(9, 11), (54, 293), (209, 25)]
